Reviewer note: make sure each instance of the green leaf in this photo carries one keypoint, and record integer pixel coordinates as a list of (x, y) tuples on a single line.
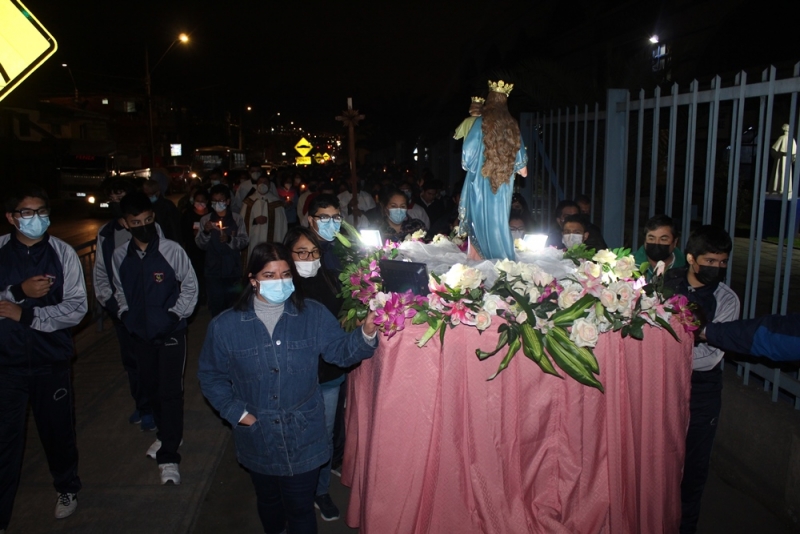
[(666, 326), (419, 318), (351, 313)]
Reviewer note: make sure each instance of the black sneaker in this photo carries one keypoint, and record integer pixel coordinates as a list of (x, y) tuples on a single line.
[(327, 510)]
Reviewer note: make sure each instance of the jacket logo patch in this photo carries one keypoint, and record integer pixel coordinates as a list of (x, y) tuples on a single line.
[(158, 277)]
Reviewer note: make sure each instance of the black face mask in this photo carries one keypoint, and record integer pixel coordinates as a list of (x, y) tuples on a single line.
[(657, 251), (144, 233), (708, 275)]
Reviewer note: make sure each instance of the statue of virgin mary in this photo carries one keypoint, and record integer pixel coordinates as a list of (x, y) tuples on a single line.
[(492, 154)]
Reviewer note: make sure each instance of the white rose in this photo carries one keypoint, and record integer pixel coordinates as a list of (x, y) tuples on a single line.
[(542, 278), (522, 317), (520, 287), (519, 244), (533, 293), (605, 256), (592, 269), (483, 320), (471, 278), (608, 298), (648, 303), (439, 238), (626, 296), (625, 266), (491, 303), (570, 295), (584, 333), (452, 278), (511, 268)]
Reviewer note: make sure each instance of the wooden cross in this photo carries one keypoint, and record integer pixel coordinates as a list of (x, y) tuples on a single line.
[(350, 118)]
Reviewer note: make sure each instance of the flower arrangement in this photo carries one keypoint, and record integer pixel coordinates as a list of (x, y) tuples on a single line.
[(556, 323)]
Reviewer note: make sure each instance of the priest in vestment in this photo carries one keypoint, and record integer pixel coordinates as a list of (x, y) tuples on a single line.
[(264, 216)]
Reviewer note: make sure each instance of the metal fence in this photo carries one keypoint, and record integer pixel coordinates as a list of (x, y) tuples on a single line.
[(703, 155), (87, 252)]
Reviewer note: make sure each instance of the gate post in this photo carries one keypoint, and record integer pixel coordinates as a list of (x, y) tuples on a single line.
[(614, 196)]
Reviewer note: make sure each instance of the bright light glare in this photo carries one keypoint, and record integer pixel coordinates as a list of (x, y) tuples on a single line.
[(654, 39), (183, 38), (63, 64), (371, 238), (535, 241), (90, 200)]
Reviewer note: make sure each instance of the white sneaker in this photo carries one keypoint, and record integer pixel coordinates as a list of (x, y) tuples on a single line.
[(169, 473), (66, 505), (153, 449)]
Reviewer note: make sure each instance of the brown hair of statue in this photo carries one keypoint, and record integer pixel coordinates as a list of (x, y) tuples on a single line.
[(501, 140)]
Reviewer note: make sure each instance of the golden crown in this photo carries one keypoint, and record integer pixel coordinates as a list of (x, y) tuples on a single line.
[(478, 99), (501, 87)]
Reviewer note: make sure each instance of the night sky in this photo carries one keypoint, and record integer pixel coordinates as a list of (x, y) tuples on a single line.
[(409, 64)]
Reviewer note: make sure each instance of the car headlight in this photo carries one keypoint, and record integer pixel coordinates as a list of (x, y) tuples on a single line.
[(90, 199)]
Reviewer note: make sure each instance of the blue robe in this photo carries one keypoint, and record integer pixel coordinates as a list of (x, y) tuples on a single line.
[(483, 213)]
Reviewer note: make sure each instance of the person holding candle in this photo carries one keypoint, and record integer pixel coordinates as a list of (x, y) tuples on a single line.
[(223, 235)]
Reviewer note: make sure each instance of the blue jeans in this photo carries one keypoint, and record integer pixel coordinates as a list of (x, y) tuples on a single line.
[(330, 397), (286, 499)]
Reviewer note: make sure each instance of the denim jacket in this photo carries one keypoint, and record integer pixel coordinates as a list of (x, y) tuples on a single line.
[(274, 378)]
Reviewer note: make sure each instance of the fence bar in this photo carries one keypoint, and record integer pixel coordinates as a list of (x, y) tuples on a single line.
[(691, 138), (711, 151), (761, 192), (792, 224), (733, 171), (787, 186), (558, 154), (585, 137), (673, 127), (654, 152), (638, 186), (575, 153), (614, 169)]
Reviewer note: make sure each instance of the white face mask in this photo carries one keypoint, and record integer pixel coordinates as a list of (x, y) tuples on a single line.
[(307, 269), (219, 207), (262, 189), (570, 240)]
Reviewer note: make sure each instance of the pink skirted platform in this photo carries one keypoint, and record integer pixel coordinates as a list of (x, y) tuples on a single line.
[(433, 447)]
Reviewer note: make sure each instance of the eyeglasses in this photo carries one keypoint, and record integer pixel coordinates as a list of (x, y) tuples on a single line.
[(326, 218), (305, 254), (28, 214), (517, 228)]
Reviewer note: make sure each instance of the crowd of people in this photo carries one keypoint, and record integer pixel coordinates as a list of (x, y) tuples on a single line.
[(253, 247)]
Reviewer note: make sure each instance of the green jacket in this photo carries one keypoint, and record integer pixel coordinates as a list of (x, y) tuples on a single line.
[(641, 257)]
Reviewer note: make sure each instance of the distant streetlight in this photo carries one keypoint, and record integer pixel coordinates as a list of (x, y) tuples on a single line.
[(249, 108), (654, 39), (183, 38), (74, 85)]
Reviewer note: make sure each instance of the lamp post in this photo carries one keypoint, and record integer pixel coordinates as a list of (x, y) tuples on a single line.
[(182, 38), (73, 80)]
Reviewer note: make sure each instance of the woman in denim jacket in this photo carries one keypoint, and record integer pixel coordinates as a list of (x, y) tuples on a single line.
[(258, 367)]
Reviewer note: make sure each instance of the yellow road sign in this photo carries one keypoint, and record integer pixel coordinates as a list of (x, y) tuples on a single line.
[(302, 160), (303, 147), (24, 45)]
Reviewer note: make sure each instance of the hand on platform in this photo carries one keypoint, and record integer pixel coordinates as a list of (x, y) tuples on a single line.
[(10, 310), (36, 286)]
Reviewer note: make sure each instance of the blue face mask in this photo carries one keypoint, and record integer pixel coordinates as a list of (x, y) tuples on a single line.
[(154, 199), (276, 291), (35, 227), (327, 230), (397, 215)]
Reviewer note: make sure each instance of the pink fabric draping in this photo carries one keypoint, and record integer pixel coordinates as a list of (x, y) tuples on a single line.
[(433, 447)]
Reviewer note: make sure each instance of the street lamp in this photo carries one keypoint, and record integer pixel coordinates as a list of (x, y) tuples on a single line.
[(73, 80), (183, 38)]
